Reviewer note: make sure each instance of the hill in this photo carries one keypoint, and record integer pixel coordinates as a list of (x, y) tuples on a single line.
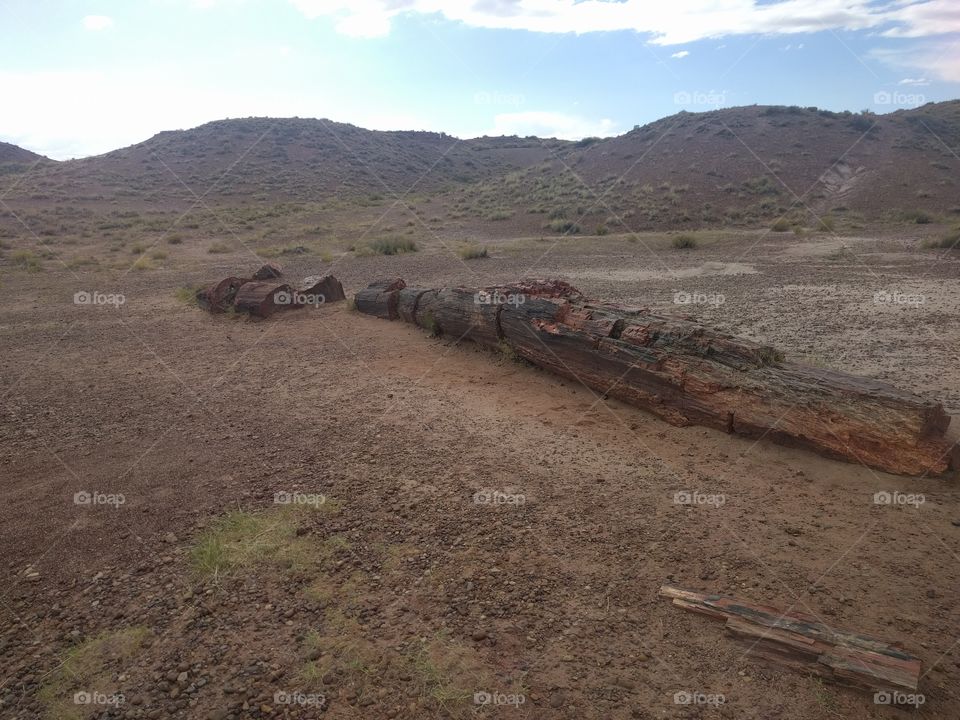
[(10, 153), (738, 166), (291, 159)]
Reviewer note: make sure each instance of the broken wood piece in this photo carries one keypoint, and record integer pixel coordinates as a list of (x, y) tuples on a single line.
[(684, 372), (321, 289), (802, 643), (219, 296), (380, 299), (263, 299)]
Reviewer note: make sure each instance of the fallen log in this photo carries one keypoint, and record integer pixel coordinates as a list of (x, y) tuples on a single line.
[(321, 289), (803, 643), (263, 299), (219, 296), (381, 299), (684, 372)]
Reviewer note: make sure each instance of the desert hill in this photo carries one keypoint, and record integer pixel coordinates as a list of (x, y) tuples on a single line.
[(739, 166)]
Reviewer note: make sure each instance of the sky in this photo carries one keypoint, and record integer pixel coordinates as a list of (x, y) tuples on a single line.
[(83, 77)]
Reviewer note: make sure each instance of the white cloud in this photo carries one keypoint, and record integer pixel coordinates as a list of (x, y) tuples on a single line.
[(939, 59), (550, 124), (97, 22), (681, 54), (676, 22), (914, 81)]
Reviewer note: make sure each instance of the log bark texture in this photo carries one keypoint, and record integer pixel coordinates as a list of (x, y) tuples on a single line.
[(684, 372), (219, 296), (263, 299), (326, 286)]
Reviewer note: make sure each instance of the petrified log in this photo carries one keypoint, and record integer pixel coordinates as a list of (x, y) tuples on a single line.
[(381, 299), (219, 296), (684, 372), (268, 271), (803, 643), (324, 288), (262, 299)]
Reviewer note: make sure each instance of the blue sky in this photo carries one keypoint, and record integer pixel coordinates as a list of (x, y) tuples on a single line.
[(82, 77)]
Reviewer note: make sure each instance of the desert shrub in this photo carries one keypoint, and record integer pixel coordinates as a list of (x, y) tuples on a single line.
[(142, 264), (565, 227), (602, 229), (498, 215), (158, 254), (919, 217), (392, 246), (684, 242), (474, 252), (826, 224), (781, 225), (218, 247), (27, 260), (950, 241), (175, 240), (186, 295)]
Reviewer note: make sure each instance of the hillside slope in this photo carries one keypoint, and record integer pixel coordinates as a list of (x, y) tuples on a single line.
[(739, 166), (291, 159), (10, 153)]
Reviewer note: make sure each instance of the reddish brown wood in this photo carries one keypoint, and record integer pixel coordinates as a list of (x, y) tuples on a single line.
[(321, 289), (380, 299), (219, 296), (805, 644), (684, 372), (263, 299)]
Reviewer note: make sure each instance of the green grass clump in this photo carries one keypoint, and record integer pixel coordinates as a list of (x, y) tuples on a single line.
[(920, 217), (564, 227), (186, 295), (218, 248), (474, 252), (949, 241), (684, 242), (392, 246), (243, 539), (498, 215), (143, 263), (87, 668), (27, 260)]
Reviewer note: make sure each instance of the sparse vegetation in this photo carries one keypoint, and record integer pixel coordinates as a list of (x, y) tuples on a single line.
[(392, 246), (474, 252), (219, 247), (186, 295), (684, 242), (27, 260), (781, 225)]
